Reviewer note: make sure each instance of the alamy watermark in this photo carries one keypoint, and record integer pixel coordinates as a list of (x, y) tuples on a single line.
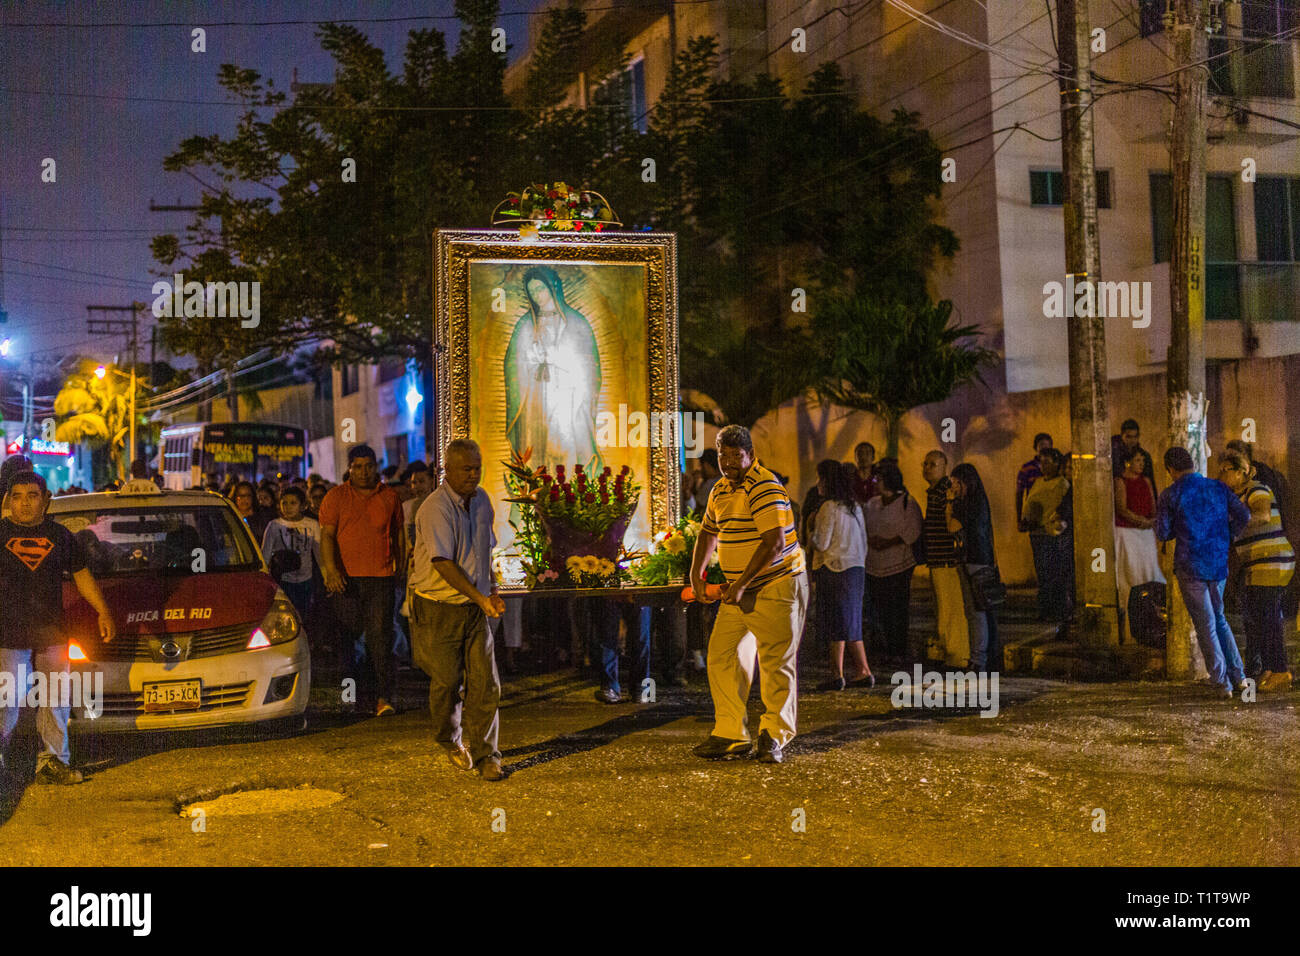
[(1107, 300), (214, 300), (636, 429), (977, 690), (59, 689), (124, 910)]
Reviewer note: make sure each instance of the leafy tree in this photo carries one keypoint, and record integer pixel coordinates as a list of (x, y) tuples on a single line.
[(769, 193), (766, 192), (890, 357)]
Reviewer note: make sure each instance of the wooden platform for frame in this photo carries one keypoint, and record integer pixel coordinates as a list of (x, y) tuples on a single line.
[(658, 595)]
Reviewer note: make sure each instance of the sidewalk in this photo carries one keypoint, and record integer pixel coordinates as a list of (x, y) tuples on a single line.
[(1030, 646)]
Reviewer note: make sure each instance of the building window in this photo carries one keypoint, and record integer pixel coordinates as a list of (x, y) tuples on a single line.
[(391, 367), (640, 112), (1277, 219), (1047, 188), (351, 379), (1222, 287), (1265, 63), (1152, 13), (1262, 67), (627, 88), (395, 450)]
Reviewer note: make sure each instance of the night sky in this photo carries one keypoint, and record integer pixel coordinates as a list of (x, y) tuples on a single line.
[(108, 92)]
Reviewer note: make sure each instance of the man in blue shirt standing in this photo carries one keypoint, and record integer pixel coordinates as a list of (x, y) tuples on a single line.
[(1203, 516)]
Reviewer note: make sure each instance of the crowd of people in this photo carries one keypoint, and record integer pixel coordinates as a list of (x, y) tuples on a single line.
[(405, 562), (865, 535)]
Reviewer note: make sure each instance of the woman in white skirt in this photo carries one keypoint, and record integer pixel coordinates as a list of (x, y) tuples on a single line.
[(1136, 559)]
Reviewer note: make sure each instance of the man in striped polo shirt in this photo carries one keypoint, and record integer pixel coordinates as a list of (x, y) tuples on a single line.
[(942, 558), (749, 520)]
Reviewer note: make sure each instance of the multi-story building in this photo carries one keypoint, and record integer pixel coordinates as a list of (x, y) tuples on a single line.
[(383, 406), (981, 76)]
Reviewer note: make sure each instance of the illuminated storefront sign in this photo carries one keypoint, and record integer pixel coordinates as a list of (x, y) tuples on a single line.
[(40, 447)]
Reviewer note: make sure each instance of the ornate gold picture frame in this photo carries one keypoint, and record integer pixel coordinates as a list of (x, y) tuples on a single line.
[(563, 348)]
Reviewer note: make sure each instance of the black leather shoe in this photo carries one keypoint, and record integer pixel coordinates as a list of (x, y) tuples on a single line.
[(607, 696), (57, 772), (720, 748), (769, 751)]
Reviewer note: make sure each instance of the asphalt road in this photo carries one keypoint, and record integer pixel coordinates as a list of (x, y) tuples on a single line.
[(1181, 778)]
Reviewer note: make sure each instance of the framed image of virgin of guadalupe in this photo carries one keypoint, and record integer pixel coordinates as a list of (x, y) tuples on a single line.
[(562, 350)]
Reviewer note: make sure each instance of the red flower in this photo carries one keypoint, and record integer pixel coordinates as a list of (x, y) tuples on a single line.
[(555, 492), (608, 470), (551, 194), (626, 470), (547, 479), (514, 201), (559, 472), (600, 226), (577, 469), (569, 497), (604, 478), (589, 497), (619, 496), (550, 213)]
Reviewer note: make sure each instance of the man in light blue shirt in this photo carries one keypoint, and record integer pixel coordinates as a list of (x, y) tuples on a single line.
[(453, 595)]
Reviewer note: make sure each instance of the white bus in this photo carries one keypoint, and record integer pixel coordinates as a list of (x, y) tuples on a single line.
[(188, 454)]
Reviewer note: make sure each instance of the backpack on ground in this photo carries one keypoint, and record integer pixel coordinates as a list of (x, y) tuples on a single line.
[(1146, 614)]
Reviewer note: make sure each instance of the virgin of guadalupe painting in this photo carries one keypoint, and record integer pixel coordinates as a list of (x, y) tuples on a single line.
[(552, 378), (543, 347)]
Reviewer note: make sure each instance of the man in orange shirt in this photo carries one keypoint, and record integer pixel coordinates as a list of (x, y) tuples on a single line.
[(363, 543)]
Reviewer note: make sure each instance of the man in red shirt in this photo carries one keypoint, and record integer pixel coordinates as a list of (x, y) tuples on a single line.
[(363, 543)]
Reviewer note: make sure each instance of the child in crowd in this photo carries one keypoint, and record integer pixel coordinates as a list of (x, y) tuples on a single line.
[(293, 536)]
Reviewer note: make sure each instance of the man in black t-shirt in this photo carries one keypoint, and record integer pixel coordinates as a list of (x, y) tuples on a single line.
[(35, 553)]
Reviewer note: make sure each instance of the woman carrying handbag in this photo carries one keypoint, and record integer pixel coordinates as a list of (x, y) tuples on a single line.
[(970, 520)]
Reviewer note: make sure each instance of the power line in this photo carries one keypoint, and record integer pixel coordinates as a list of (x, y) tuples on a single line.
[(276, 23)]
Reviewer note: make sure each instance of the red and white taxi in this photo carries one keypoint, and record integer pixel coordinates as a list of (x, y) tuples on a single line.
[(205, 637)]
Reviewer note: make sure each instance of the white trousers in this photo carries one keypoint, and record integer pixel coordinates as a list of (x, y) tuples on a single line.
[(769, 634)]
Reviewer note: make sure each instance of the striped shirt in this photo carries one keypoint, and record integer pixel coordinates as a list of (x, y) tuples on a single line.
[(1262, 548), (739, 515), (940, 543)]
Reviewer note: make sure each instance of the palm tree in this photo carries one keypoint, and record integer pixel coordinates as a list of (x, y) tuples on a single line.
[(90, 408), (890, 357)]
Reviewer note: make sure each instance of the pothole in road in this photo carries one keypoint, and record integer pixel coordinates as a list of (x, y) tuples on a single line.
[(269, 800)]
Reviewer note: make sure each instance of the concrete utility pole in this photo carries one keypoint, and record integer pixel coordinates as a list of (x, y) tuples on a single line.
[(1094, 496), (1185, 375), (131, 328)]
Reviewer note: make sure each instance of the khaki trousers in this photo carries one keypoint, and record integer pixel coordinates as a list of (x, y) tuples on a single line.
[(769, 634), (950, 616)]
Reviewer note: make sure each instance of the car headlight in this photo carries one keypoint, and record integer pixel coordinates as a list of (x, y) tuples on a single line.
[(279, 625)]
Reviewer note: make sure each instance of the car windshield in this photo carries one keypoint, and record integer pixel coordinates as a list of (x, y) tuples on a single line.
[(125, 541)]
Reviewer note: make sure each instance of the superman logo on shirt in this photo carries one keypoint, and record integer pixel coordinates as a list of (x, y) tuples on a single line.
[(30, 551)]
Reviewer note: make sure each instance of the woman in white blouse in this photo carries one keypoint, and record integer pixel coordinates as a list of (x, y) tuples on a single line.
[(839, 551)]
